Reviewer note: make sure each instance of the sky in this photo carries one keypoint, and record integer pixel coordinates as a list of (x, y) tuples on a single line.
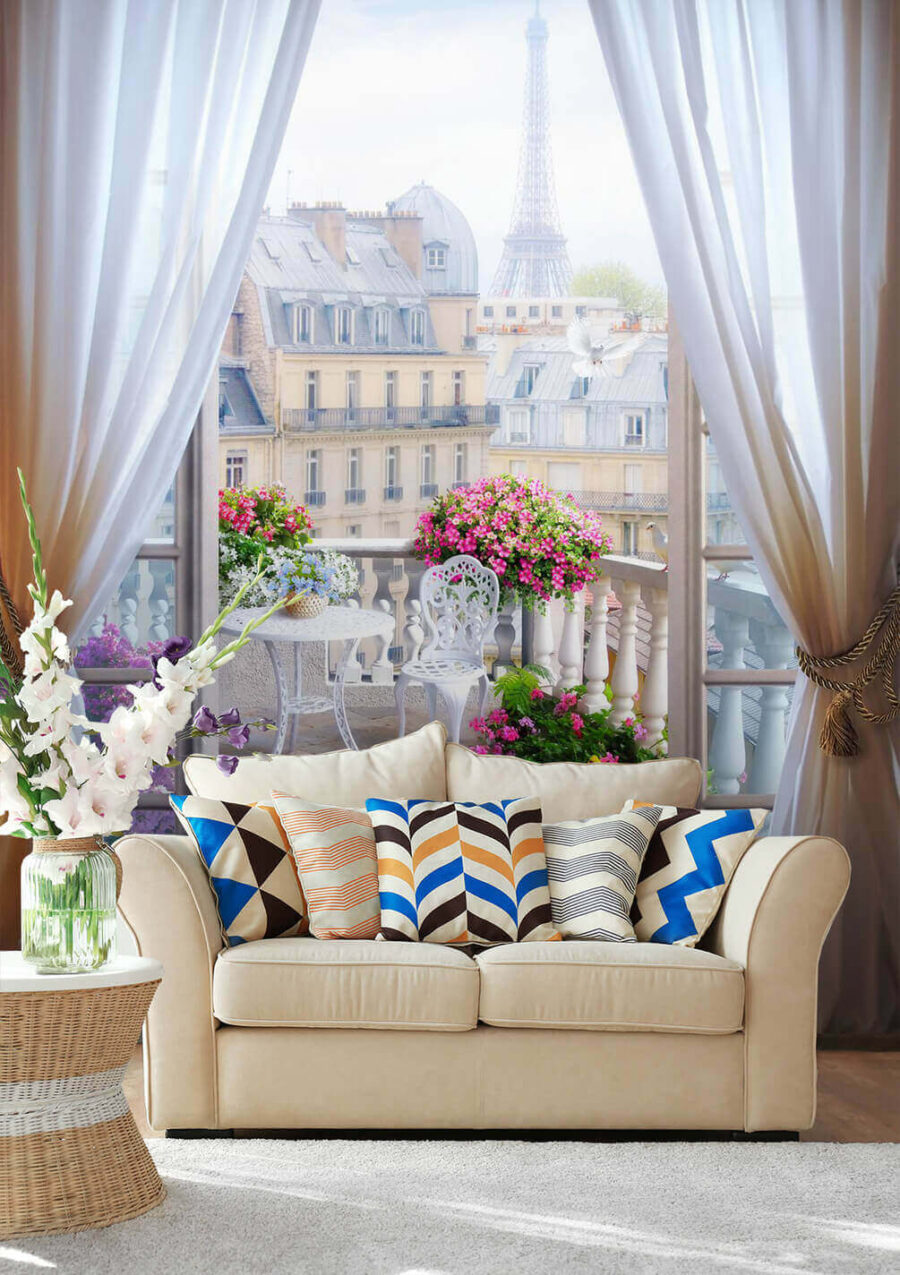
[(400, 91)]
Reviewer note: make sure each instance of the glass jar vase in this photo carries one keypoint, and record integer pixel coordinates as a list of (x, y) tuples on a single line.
[(69, 905)]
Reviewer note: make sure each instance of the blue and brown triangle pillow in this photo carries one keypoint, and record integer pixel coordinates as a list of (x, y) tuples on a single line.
[(251, 869), (689, 862)]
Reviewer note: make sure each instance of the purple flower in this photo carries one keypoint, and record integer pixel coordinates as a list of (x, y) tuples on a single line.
[(231, 717), (205, 721), (173, 650), (227, 765), (238, 736), (527, 723)]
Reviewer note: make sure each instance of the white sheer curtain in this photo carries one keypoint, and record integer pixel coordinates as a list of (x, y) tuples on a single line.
[(766, 137), (139, 138)]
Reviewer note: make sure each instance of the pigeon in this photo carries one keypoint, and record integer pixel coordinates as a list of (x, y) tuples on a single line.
[(660, 542), (590, 357)]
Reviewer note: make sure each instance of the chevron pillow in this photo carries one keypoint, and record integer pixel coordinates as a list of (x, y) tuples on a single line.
[(461, 873), (593, 866), (246, 854), (686, 870)]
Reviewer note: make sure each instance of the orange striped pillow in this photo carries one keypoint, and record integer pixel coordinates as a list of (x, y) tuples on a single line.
[(334, 850)]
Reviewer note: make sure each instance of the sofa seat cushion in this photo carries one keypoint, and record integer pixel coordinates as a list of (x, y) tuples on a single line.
[(346, 983), (609, 987)]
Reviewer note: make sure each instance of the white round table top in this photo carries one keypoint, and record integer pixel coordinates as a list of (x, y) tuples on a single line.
[(334, 624), (16, 975)]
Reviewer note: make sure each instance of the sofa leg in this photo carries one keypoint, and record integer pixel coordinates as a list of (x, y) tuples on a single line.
[(199, 1133), (766, 1135)]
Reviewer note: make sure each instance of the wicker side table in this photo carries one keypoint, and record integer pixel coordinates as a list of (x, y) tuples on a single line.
[(71, 1156)]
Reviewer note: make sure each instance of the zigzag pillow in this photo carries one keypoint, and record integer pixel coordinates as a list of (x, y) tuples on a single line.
[(593, 866), (250, 867), (461, 873), (690, 860), (335, 853)]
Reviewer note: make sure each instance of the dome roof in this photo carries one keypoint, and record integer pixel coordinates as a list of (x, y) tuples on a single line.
[(443, 227)]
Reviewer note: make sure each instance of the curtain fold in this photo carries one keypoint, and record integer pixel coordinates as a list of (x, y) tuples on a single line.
[(138, 144), (766, 137)]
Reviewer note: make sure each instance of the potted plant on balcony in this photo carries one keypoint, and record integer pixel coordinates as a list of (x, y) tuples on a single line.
[(540, 543)]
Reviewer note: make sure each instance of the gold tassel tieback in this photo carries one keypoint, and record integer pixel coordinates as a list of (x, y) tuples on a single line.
[(838, 737)]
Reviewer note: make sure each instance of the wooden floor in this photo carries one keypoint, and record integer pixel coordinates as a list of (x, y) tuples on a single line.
[(859, 1097)]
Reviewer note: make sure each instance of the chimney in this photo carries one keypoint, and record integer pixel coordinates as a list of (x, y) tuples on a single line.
[(403, 231), (330, 222)]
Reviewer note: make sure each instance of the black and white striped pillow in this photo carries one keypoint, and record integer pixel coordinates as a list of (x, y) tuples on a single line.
[(593, 867)]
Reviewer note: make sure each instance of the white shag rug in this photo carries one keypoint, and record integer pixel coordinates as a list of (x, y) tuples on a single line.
[(497, 1207)]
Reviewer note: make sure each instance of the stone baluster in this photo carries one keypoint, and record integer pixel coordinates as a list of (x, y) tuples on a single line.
[(727, 749), (354, 669), (505, 637), (571, 645), (596, 661), (128, 607), (625, 673), (96, 629), (774, 643), (382, 668), (160, 628), (655, 693), (413, 634), (542, 640)]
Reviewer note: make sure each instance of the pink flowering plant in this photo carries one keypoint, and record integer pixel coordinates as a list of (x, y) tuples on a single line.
[(252, 518), (531, 723), (540, 544)]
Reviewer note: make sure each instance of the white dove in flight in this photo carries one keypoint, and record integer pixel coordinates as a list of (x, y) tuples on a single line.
[(660, 542), (590, 357)]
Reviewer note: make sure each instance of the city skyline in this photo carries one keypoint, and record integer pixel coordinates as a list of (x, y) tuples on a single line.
[(397, 91)]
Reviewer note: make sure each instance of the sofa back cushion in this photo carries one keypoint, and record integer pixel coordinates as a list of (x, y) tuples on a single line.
[(571, 790), (414, 764)]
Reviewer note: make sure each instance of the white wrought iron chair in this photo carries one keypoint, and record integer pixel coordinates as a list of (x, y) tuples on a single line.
[(459, 604)]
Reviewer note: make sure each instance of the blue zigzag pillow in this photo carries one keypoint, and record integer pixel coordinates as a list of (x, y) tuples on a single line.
[(686, 870)]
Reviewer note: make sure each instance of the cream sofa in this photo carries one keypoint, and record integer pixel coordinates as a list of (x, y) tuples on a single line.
[(298, 1033)]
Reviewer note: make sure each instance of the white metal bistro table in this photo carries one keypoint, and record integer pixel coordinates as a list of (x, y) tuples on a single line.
[(71, 1156), (335, 624)]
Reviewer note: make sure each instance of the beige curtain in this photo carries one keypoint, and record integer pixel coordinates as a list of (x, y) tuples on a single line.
[(766, 135)]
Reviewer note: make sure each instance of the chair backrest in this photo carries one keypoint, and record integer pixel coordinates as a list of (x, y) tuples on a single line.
[(459, 605)]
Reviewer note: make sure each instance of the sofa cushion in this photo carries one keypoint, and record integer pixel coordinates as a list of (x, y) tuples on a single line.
[(570, 790), (610, 987), (414, 764), (346, 983)]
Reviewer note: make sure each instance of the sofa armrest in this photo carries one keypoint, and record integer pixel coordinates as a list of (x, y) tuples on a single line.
[(776, 913), (169, 906)]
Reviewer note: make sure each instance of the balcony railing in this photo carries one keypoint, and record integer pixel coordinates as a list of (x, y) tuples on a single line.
[(323, 419), (427, 490), (651, 502), (314, 498), (634, 440), (393, 493), (354, 495)]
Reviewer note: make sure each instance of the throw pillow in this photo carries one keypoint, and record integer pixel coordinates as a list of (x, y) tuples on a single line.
[(334, 849), (457, 872), (689, 862), (593, 866), (250, 867)]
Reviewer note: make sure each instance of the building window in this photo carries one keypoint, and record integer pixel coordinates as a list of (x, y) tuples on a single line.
[(312, 391), (518, 424), (634, 479), (392, 488), (510, 312), (392, 528), (556, 312), (417, 327), (489, 312), (581, 311), (313, 475), (354, 468), (530, 374), (427, 485), (425, 388), (436, 258), (634, 429), (235, 469), (390, 389), (352, 391), (382, 320), (354, 530), (459, 464), (459, 388), (301, 324), (343, 325), (564, 476), (629, 539), (518, 468), (533, 311)]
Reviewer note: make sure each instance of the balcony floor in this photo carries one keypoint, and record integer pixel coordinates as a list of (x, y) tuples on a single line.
[(317, 732)]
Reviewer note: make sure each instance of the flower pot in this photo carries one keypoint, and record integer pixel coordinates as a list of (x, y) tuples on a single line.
[(305, 606), (69, 890)]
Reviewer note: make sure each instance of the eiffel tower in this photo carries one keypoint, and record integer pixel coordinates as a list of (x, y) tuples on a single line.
[(535, 262)]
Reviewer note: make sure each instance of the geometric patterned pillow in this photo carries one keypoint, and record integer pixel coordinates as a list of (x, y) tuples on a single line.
[(461, 873), (690, 860), (334, 850), (593, 866), (250, 867)]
